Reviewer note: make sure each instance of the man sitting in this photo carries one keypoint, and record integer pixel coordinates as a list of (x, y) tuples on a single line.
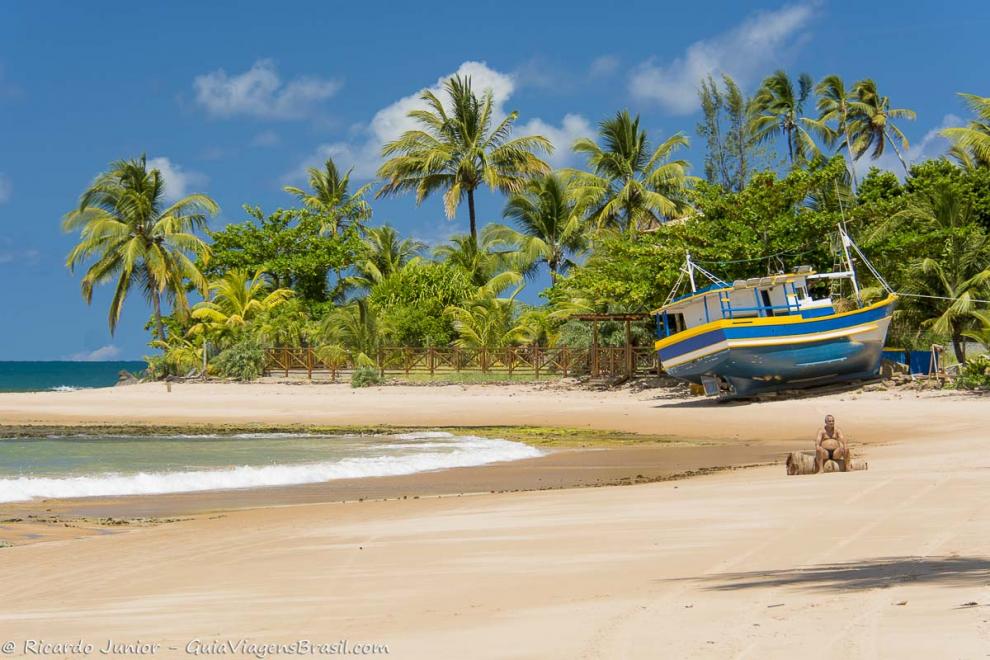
[(831, 446)]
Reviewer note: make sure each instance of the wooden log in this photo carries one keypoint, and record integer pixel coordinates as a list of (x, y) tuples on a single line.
[(856, 464), (831, 466), (799, 462)]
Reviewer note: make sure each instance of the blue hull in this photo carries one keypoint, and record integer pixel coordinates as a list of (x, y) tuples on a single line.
[(751, 371), (748, 357)]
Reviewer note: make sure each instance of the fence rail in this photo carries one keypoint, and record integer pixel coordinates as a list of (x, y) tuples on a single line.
[(605, 361)]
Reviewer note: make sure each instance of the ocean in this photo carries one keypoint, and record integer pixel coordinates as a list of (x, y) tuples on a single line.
[(42, 376), (85, 466)]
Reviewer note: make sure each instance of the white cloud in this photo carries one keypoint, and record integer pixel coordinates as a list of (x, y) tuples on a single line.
[(108, 352), (266, 139), (6, 188), (571, 128), (179, 182), (603, 66), (364, 153), (745, 52), (260, 92), (932, 145)]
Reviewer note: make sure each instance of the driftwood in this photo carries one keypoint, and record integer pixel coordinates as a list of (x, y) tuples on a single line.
[(803, 462)]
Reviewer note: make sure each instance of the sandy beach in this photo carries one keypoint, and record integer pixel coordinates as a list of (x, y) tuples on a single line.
[(890, 562)]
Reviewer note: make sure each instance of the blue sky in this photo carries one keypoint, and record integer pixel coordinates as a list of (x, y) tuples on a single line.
[(236, 99)]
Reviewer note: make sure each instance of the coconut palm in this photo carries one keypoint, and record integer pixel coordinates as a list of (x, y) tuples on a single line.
[(387, 255), (330, 199), (489, 322), (873, 126), (492, 261), (971, 143), (630, 186), (958, 276), (980, 333), (238, 297), (358, 328), (550, 225), (458, 148), (776, 110), (834, 107), (129, 234)]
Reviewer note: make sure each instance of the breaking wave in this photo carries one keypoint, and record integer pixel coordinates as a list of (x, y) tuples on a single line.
[(458, 451)]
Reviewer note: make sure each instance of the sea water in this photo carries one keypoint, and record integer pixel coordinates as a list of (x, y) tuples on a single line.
[(85, 466), (55, 375)]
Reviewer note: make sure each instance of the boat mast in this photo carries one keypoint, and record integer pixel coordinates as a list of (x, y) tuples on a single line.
[(846, 242), (690, 273)]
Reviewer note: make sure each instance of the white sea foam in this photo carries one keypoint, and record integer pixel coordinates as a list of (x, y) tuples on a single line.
[(461, 451), (64, 388)]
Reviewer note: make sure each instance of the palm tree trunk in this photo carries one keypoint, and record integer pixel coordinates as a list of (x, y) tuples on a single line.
[(958, 347), (474, 226), (896, 151), (852, 158), (156, 303)]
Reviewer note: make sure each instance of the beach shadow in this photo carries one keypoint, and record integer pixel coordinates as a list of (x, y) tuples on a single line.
[(861, 575)]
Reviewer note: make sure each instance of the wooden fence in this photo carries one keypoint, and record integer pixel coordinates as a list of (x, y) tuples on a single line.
[(605, 361)]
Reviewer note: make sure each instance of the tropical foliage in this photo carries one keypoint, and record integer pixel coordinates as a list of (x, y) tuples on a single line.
[(459, 147), (781, 169), (128, 233)]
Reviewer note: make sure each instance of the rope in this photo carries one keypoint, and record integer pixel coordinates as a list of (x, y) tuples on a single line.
[(921, 295), (763, 258)]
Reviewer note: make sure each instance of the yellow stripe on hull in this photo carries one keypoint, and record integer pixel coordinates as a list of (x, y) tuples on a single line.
[(761, 321)]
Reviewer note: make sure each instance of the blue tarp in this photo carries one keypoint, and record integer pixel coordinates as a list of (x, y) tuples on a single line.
[(919, 362)]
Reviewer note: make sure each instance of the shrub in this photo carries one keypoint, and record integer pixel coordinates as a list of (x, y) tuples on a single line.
[(366, 377), (244, 360), (975, 373)]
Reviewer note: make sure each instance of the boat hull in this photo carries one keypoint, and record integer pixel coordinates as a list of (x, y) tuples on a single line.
[(750, 357)]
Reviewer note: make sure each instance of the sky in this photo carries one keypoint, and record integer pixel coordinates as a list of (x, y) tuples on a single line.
[(236, 99)]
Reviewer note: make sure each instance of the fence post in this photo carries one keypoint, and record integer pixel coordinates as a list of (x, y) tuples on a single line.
[(381, 362), (629, 354), (309, 362), (563, 360), (431, 359), (285, 360), (536, 359)]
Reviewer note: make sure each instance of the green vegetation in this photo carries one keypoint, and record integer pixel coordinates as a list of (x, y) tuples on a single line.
[(365, 377), (782, 168)]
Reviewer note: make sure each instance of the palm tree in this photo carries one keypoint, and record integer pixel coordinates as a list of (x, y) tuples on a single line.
[(457, 150), (488, 322), (358, 328), (777, 110), (387, 254), (492, 261), (630, 186), (981, 333), (238, 297), (834, 106), (873, 127), (958, 277), (131, 235), (973, 140), (330, 199), (550, 226)]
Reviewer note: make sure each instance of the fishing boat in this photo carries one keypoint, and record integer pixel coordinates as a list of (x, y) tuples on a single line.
[(764, 334)]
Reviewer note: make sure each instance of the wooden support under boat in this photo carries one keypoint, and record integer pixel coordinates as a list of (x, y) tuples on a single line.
[(803, 462)]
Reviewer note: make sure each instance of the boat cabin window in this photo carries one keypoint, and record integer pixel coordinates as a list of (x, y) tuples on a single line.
[(675, 323), (768, 306)]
